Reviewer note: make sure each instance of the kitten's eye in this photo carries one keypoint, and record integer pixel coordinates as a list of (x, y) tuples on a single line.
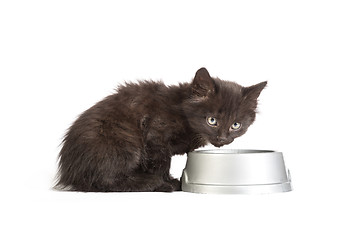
[(212, 121), (236, 126)]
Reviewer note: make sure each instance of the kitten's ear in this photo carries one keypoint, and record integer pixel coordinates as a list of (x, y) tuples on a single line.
[(203, 85), (253, 92)]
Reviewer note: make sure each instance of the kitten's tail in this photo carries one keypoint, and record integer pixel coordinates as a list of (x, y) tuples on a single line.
[(58, 185)]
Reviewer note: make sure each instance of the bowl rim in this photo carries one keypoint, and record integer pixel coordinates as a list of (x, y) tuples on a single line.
[(232, 151)]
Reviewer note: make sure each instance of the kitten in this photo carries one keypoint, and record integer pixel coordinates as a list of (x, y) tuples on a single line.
[(125, 142)]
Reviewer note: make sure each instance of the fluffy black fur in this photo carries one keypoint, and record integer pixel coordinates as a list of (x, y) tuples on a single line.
[(125, 142)]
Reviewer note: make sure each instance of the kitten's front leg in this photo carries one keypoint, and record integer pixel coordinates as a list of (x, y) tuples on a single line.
[(176, 184), (158, 162)]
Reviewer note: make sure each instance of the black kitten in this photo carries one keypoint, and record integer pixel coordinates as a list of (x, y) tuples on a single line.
[(125, 142)]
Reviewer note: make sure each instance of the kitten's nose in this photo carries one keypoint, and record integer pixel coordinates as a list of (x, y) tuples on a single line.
[(221, 138)]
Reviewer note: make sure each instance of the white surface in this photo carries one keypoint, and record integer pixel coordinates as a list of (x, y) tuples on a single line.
[(59, 58)]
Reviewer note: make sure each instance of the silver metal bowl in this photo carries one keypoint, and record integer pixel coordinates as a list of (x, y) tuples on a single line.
[(236, 171)]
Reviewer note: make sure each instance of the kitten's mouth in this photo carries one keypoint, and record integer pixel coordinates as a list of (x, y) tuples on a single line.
[(220, 143), (217, 144)]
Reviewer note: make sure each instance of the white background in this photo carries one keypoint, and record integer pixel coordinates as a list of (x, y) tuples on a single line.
[(58, 58)]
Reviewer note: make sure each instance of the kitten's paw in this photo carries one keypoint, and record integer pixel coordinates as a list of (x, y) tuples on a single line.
[(165, 187), (170, 186), (176, 184)]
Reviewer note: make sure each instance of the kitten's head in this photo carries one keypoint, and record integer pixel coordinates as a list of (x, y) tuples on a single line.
[(218, 110)]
